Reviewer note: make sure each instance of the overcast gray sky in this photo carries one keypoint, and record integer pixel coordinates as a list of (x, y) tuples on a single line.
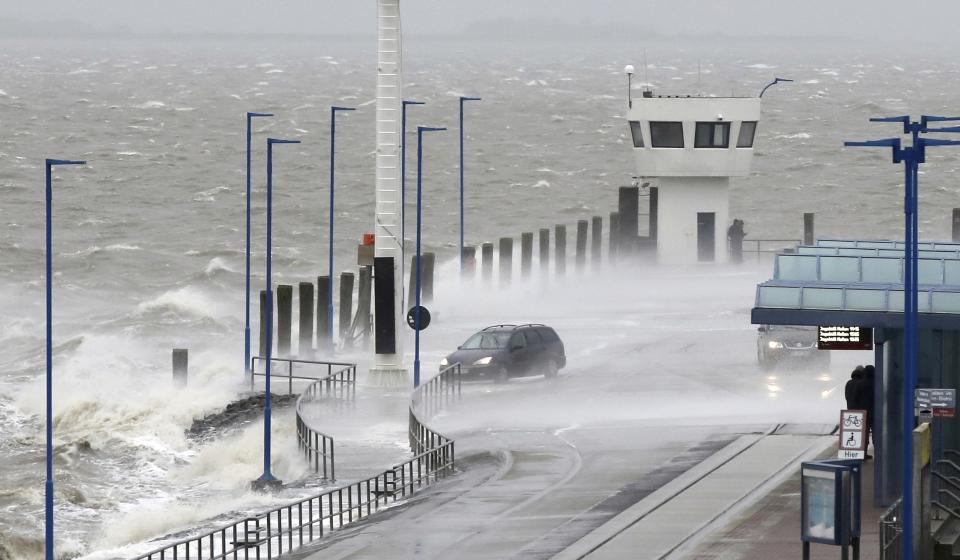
[(852, 18)]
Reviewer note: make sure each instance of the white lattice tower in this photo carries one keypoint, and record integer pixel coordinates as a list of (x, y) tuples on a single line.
[(388, 210)]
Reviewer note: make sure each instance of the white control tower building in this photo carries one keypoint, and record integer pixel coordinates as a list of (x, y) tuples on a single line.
[(689, 148)]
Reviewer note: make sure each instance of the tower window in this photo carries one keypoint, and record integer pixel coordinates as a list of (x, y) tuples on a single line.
[(637, 133), (665, 134), (747, 131), (712, 135)]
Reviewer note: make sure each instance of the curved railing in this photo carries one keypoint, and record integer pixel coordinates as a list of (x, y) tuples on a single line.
[(316, 446), (293, 525)]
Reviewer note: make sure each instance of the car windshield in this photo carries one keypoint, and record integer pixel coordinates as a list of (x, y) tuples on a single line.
[(486, 340)]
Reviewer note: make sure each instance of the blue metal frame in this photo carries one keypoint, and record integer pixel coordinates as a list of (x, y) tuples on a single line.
[(48, 485), (462, 100), (246, 324), (267, 476), (333, 152), (911, 156), (847, 521), (416, 312)]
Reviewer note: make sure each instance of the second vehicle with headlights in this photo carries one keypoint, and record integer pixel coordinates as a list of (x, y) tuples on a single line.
[(504, 351)]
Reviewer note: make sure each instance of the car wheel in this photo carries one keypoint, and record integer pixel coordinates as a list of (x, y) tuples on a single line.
[(550, 369), (501, 375)]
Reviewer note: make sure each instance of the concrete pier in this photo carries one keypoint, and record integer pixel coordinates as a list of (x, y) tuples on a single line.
[(581, 258), (486, 264), (506, 261), (284, 319), (560, 238), (305, 332), (526, 254)]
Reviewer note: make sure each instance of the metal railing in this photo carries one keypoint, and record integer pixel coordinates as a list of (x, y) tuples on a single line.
[(317, 447), (890, 533), (293, 525), (767, 246)]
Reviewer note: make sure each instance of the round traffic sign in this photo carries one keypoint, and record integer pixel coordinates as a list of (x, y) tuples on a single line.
[(424, 318)]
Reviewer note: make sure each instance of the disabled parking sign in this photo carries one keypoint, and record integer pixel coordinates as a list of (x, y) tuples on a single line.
[(853, 428)]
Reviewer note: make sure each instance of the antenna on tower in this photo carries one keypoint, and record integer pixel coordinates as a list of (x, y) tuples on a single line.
[(699, 89)]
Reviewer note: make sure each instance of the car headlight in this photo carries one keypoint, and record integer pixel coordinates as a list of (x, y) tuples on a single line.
[(483, 361), (444, 362), (774, 344)]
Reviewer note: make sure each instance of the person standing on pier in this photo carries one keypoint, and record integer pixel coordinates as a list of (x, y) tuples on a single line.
[(850, 390), (735, 235)]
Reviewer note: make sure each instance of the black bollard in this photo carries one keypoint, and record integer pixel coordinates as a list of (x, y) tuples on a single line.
[(560, 235), (284, 319), (526, 255), (426, 279), (265, 316), (596, 245), (346, 305), (544, 252), (486, 270), (469, 263), (956, 225), (363, 303), (808, 234), (506, 261), (180, 359), (613, 251), (305, 348), (324, 328), (581, 261)]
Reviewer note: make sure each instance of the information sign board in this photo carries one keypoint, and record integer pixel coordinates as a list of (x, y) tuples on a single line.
[(938, 402), (853, 427), (844, 338)]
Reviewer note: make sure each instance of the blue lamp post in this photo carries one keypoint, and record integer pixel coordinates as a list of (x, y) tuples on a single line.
[(333, 155), (267, 480), (246, 326), (50, 163), (416, 344), (462, 100), (403, 185), (911, 156)]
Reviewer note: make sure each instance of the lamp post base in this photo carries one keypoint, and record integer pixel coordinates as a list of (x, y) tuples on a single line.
[(266, 484)]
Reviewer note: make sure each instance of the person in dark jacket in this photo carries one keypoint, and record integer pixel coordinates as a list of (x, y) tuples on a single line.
[(863, 395), (850, 390), (735, 235)]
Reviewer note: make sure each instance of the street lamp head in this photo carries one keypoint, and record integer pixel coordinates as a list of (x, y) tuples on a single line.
[(335, 109), (429, 128), (411, 102), (467, 98), (65, 162), (628, 69), (271, 141), (253, 114)]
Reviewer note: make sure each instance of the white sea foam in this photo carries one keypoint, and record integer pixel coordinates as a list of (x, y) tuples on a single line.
[(541, 184), (151, 105), (761, 66)]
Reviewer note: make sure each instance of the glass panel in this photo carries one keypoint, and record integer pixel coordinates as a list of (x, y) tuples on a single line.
[(946, 247), (874, 244), (823, 298), (712, 135), (839, 269), (890, 253), (637, 132), (881, 270), (951, 273), (820, 506), (857, 252), (796, 267), (778, 296), (666, 134), (935, 254), (946, 302), (747, 130), (866, 300), (930, 271), (896, 301), (835, 243)]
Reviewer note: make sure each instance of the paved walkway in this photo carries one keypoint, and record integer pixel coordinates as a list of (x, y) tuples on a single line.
[(667, 521), (771, 528)]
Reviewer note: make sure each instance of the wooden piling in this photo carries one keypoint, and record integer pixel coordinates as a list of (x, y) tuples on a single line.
[(808, 233), (180, 360), (363, 303), (545, 252), (526, 254), (266, 317), (581, 258), (506, 261), (346, 305), (613, 252), (305, 332), (429, 267), (469, 271), (324, 328), (596, 243), (560, 238), (284, 319), (629, 210), (486, 264)]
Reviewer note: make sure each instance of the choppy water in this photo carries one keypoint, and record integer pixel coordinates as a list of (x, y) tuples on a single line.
[(149, 236)]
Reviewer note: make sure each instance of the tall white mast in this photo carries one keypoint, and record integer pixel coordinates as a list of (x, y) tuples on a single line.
[(388, 210)]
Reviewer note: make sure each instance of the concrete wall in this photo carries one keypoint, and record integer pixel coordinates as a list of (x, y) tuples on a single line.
[(680, 199)]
